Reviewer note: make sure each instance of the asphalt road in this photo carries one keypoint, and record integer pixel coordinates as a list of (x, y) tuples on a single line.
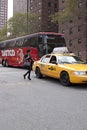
[(40, 104)]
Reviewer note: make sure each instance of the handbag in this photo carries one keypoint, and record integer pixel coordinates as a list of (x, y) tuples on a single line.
[(26, 64)]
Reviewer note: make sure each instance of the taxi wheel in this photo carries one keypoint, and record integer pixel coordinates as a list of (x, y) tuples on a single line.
[(38, 73), (64, 79)]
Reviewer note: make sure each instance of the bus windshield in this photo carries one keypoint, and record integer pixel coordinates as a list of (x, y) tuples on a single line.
[(48, 42), (57, 40)]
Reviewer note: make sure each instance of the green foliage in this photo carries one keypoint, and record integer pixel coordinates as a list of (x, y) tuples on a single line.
[(3, 33), (18, 25)]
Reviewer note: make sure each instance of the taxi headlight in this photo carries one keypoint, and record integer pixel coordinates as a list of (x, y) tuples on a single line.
[(79, 73)]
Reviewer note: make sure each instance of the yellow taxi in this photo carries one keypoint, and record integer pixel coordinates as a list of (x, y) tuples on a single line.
[(68, 68)]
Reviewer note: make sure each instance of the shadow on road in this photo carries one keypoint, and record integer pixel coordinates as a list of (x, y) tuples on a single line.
[(79, 86), (74, 86)]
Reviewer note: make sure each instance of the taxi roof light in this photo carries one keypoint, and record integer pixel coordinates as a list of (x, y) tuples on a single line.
[(60, 50)]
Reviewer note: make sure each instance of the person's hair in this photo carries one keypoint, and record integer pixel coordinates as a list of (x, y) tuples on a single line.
[(28, 51)]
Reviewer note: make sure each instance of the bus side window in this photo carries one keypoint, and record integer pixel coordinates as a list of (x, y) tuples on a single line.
[(30, 42), (40, 43), (33, 41), (40, 39), (25, 42)]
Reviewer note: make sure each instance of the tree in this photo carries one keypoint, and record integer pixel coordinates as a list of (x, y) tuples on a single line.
[(69, 12), (19, 24), (3, 33)]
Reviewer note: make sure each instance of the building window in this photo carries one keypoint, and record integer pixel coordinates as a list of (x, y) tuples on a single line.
[(79, 28), (80, 5), (55, 5), (49, 11), (31, 8), (70, 42), (63, 31), (31, 1), (63, 9), (70, 21), (39, 3), (56, 10), (86, 4), (79, 40), (49, 4), (63, 1), (79, 17), (39, 18), (79, 53), (70, 31), (86, 19), (39, 10)]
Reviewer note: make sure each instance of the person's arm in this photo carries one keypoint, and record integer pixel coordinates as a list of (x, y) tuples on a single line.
[(27, 57)]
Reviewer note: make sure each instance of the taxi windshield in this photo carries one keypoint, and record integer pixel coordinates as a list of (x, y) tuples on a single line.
[(69, 60)]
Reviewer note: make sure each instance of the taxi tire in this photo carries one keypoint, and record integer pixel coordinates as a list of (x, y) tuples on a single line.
[(64, 78), (38, 73)]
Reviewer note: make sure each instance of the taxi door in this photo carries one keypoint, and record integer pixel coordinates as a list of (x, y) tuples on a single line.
[(52, 68), (44, 64)]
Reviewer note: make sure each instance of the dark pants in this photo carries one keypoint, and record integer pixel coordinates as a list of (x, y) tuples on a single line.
[(28, 72)]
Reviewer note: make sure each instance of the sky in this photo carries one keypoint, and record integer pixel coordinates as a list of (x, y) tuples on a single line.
[(10, 8)]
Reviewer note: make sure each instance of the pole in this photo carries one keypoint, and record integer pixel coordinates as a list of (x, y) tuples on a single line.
[(27, 14)]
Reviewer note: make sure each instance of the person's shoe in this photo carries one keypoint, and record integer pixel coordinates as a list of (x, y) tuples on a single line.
[(24, 76), (29, 78)]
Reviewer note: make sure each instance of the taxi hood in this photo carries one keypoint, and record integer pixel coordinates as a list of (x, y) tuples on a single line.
[(77, 67)]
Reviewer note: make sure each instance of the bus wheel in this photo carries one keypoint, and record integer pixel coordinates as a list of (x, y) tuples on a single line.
[(38, 73), (3, 62), (6, 63), (64, 79)]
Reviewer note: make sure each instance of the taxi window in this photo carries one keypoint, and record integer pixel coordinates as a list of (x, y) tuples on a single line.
[(53, 59), (46, 59)]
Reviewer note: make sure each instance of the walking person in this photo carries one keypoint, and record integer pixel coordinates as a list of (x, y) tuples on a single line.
[(28, 64)]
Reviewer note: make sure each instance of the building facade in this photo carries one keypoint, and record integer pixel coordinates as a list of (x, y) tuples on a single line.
[(19, 6), (43, 9), (75, 29), (3, 13)]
